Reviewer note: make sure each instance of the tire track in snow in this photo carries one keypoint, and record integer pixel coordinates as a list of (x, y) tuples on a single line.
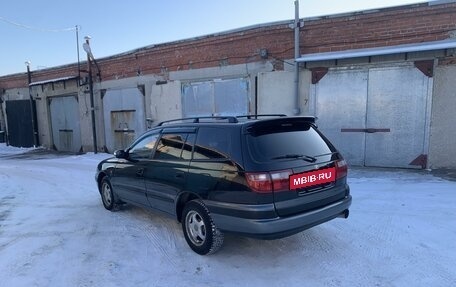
[(158, 230), (30, 258), (331, 254)]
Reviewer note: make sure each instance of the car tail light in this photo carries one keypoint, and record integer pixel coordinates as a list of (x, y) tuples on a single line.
[(341, 168), (281, 180), (266, 182), (259, 182)]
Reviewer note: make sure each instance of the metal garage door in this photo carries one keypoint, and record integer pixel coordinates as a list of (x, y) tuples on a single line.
[(124, 117), (341, 98), (19, 119), (375, 116), (66, 131), (215, 98)]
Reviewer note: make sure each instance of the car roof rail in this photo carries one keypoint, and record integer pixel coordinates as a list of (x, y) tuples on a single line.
[(230, 119), (250, 117)]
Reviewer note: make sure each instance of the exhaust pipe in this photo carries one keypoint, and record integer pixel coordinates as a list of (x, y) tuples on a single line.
[(344, 214)]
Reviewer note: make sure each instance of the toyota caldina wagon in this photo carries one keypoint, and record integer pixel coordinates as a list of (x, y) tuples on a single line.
[(266, 177)]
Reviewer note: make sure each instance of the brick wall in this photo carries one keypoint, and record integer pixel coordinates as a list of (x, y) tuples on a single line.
[(21, 80), (388, 27), (385, 27)]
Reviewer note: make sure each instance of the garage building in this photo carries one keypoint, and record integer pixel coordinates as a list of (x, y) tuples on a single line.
[(381, 83)]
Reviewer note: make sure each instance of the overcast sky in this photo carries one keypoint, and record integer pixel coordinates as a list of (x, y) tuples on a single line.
[(28, 27)]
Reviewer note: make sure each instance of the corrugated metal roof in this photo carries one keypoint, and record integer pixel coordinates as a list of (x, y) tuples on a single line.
[(53, 80), (378, 51)]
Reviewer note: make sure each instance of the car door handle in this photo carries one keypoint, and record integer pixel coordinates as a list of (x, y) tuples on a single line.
[(140, 172), (179, 175)]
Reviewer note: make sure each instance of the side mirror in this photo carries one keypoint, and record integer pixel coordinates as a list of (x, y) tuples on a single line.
[(120, 153)]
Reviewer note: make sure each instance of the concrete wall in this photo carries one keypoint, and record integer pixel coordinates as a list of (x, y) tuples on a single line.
[(16, 94), (276, 92), (442, 153), (86, 118), (2, 118)]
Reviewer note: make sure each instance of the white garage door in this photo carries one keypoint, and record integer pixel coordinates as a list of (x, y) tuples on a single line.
[(66, 131), (216, 98), (124, 117), (374, 116)]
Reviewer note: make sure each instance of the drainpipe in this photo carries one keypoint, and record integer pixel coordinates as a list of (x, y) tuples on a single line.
[(297, 109)]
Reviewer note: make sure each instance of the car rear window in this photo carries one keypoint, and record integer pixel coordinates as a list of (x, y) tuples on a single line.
[(267, 142)]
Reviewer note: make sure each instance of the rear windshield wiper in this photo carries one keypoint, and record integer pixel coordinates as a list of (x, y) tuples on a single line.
[(300, 156)]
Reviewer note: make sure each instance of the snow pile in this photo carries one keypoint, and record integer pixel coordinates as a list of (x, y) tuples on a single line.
[(9, 150)]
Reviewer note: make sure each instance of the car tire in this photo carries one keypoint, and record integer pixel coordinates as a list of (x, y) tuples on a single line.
[(107, 195), (199, 229)]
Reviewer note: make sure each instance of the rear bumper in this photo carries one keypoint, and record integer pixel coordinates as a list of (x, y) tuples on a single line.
[(279, 227)]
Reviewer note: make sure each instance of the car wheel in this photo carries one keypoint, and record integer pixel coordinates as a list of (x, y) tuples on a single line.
[(107, 195), (200, 232)]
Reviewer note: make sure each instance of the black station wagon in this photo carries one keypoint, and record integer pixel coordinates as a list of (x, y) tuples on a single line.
[(266, 177)]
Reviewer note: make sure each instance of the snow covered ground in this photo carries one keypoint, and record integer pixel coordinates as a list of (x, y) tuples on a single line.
[(54, 231)]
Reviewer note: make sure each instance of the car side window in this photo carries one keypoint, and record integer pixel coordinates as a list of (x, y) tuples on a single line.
[(212, 143), (188, 147), (144, 148), (173, 147)]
